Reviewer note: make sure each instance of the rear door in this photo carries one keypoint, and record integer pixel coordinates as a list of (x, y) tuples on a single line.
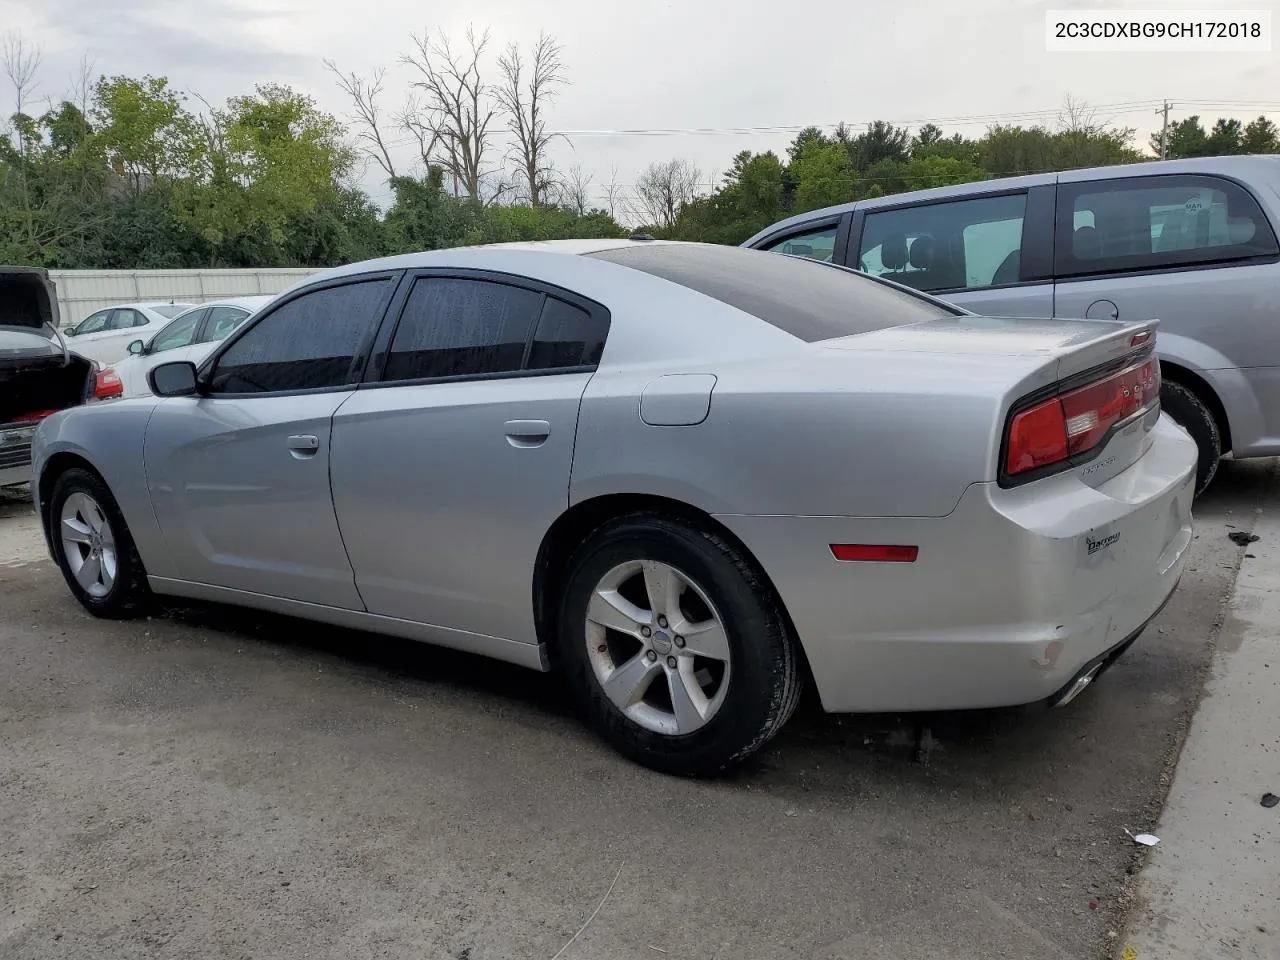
[(452, 462), (239, 476), (988, 253), (1195, 252)]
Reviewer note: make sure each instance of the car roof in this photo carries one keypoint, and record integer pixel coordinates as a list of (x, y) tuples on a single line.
[(1265, 165)]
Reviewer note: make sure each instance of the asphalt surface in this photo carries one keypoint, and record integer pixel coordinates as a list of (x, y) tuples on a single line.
[(215, 783)]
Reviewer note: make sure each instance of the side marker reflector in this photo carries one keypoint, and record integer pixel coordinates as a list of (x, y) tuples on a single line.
[(874, 553)]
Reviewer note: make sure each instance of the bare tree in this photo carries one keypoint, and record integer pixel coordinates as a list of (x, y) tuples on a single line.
[(454, 110), (524, 95), (1076, 116), (664, 188), (613, 194), (576, 190), (21, 65), (365, 95)]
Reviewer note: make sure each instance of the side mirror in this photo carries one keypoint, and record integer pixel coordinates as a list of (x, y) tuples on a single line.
[(175, 379), (68, 331), (136, 348)]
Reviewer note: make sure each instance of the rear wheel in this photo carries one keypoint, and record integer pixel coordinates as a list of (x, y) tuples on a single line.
[(92, 545), (1193, 415), (677, 652)]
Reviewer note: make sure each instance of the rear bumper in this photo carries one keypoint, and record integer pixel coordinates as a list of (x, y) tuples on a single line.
[(1013, 596)]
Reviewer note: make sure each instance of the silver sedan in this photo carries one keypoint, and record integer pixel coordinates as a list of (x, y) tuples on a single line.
[(693, 478)]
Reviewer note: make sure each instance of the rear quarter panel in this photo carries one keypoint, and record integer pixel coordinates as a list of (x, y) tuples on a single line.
[(827, 434), (110, 437)]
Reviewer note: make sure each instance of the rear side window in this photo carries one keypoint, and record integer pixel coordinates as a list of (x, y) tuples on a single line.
[(567, 336), (307, 343), (456, 328), (1152, 223), (809, 300)]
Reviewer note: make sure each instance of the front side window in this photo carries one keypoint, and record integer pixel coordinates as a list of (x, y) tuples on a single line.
[(94, 323), (956, 245), (1146, 223), (455, 328), (178, 333), (817, 244), (308, 343)]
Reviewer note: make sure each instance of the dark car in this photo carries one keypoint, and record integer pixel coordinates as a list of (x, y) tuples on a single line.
[(39, 375)]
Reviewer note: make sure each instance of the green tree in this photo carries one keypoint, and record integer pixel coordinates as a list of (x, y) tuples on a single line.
[(1260, 136)]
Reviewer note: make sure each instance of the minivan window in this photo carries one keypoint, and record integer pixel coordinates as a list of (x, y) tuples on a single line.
[(817, 244), (1152, 223), (952, 245)]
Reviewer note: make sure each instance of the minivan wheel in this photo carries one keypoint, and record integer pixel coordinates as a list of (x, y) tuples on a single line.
[(1190, 412), (676, 651), (92, 545)]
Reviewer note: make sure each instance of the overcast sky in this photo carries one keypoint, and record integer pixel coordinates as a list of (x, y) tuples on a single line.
[(643, 64)]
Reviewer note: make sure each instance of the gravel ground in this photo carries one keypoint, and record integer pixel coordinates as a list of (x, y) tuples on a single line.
[(214, 783)]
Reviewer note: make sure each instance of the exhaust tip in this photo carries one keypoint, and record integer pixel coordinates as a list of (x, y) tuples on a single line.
[(1078, 686)]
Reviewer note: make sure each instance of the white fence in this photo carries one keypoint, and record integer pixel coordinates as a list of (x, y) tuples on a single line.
[(81, 292)]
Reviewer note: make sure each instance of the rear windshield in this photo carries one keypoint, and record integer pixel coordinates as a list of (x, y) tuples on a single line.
[(171, 310), (807, 299)]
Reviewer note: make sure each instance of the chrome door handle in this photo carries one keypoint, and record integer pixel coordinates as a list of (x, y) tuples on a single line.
[(303, 445), (527, 433)]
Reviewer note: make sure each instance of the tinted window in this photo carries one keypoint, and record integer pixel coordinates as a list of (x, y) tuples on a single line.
[(817, 244), (567, 336), (1153, 222), (812, 301), (222, 322), (177, 334), (958, 245), (305, 344), (455, 328)]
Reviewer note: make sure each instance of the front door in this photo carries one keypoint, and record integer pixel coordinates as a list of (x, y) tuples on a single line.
[(450, 470), (239, 476)]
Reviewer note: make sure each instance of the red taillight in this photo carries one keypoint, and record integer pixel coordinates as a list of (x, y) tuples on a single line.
[(107, 384), (875, 552), (1075, 422)]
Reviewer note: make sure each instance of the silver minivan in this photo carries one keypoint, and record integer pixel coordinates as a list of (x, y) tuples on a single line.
[(1191, 243)]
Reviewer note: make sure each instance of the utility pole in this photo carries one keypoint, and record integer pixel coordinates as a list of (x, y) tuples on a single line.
[(1164, 132)]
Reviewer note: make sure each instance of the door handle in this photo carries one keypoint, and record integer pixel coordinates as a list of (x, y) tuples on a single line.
[(302, 446), (527, 433)]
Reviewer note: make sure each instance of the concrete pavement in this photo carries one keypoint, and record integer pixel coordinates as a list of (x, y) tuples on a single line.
[(214, 783), (1211, 888)]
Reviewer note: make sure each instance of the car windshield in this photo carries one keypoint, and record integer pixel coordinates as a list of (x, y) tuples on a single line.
[(807, 299)]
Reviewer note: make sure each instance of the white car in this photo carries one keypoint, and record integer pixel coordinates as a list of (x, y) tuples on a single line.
[(104, 336), (189, 336)]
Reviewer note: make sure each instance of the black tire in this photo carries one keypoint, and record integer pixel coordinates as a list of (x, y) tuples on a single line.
[(128, 594), (765, 678), (1191, 413)]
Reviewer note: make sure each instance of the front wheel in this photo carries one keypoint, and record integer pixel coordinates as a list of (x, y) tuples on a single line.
[(677, 651), (92, 545), (1191, 413)]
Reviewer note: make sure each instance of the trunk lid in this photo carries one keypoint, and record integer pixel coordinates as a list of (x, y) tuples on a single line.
[(28, 298), (38, 374), (1063, 355)]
